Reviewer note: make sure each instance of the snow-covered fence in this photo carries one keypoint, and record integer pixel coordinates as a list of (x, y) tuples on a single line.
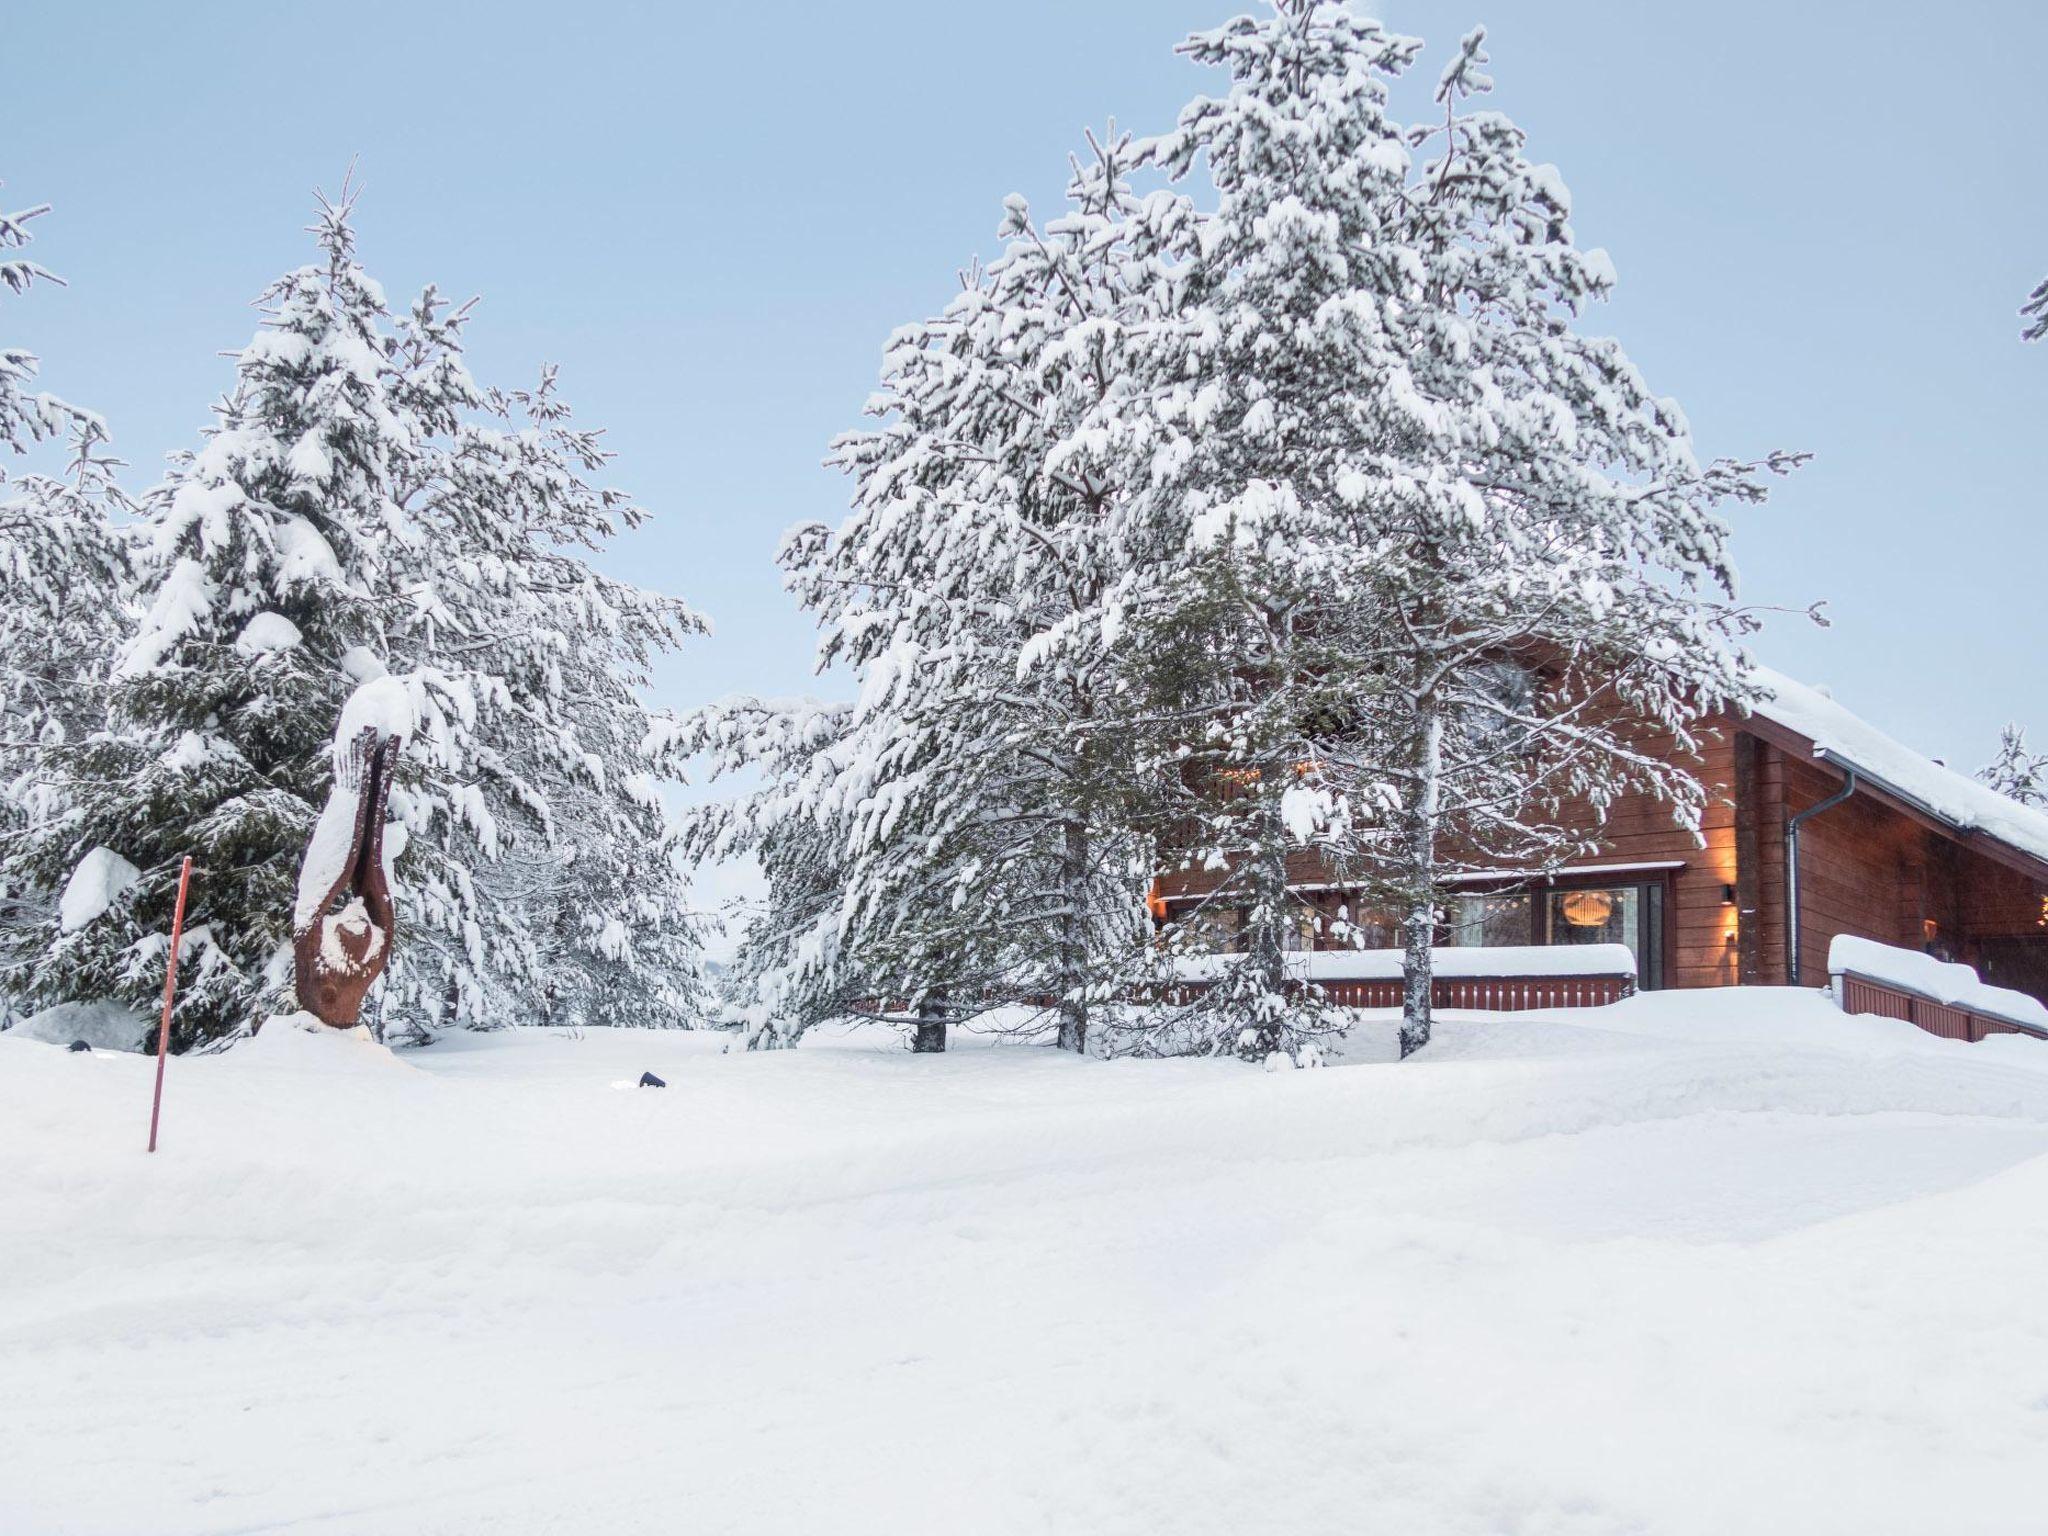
[(1505, 979), (1941, 998)]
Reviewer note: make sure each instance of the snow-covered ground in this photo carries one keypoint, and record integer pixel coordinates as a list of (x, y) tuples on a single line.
[(1691, 1264)]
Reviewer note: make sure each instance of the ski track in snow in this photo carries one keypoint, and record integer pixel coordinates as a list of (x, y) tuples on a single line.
[(1697, 1263)]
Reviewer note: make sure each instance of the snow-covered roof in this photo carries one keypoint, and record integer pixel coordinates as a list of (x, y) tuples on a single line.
[(1950, 797)]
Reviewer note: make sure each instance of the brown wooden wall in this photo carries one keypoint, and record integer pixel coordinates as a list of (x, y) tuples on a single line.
[(1699, 947), (1864, 869)]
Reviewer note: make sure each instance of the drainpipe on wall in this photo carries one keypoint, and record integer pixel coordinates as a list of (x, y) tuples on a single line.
[(1792, 826)]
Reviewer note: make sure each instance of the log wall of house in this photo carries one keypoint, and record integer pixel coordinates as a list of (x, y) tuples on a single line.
[(1765, 913), (1863, 869), (1871, 870), (1700, 943)]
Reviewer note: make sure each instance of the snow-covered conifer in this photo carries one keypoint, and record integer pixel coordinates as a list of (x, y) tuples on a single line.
[(2017, 772), (25, 417), (573, 853), (798, 963), (361, 507), (261, 574), (61, 561), (1394, 430), (2035, 313), (63, 566), (971, 790)]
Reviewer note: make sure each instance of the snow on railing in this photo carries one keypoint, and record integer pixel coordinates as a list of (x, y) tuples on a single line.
[(1458, 963), (1506, 979), (1942, 998)]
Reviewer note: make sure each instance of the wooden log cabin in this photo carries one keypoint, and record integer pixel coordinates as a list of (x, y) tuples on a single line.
[(1817, 825)]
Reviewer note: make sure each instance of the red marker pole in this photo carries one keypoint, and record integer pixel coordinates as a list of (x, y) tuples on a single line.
[(163, 1034)]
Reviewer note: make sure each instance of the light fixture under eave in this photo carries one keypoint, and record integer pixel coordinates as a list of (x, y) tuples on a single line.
[(1587, 909)]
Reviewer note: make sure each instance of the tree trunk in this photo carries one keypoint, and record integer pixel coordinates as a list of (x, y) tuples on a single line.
[(1419, 857), (1073, 949), (1266, 942), (929, 1037)]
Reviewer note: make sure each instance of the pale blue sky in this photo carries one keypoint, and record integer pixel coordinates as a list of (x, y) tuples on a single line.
[(1824, 217)]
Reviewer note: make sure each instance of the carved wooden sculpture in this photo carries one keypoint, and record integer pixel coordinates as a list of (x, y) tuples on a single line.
[(344, 922)]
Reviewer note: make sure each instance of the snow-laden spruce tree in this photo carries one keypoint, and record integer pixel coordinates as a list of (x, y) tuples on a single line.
[(25, 416), (262, 571), (1396, 429), (2035, 313), (573, 849), (794, 968), (361, 507), (973, 789), (2016, 772), (62, 563), (1246, 682), (63, 566)]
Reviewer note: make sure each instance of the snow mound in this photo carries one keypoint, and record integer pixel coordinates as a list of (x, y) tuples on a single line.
[(102, 875), (301, 1042), (360, 665), (105, 1026), (384, 705), (1957, 986), (1692, 1264), (265, 633)]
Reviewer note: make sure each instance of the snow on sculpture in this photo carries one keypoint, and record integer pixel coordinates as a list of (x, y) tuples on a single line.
[(344, 920)]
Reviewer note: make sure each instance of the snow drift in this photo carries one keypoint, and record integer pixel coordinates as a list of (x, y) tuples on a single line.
[(1691, 1264)]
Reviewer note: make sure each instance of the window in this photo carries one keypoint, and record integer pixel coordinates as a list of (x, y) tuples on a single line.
[(1631, 915), (1364, 928), (1491, 919), (1213, 929), (1303, 925)]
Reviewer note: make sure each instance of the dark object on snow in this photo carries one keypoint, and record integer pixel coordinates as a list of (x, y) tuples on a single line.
[(929, 1037), (76, 1046), (346, 942), (649, 1080)]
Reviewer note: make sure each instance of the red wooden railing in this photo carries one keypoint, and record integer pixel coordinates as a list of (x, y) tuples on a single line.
[(1860, 994), (1493, 994)]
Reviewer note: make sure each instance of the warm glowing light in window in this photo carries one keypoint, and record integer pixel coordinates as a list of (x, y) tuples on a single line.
[(1587, 909)]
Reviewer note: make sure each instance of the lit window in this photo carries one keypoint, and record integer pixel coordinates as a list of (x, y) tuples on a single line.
[(1490, 920), (1623, 914)]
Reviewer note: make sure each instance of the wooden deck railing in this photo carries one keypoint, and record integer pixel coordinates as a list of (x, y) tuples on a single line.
[(1863, 995), (1493, 994)]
